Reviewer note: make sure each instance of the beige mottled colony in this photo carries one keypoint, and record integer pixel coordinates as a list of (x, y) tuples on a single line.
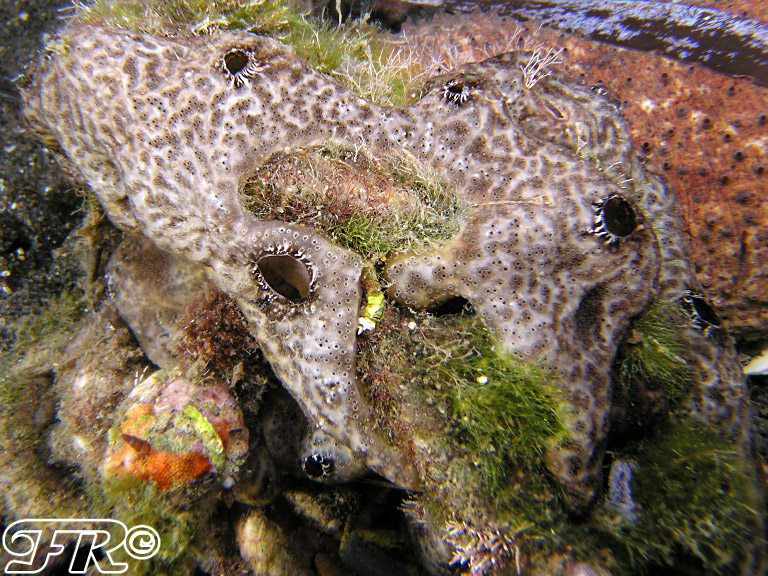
[(164, 131), (164, 283), (555, 256)]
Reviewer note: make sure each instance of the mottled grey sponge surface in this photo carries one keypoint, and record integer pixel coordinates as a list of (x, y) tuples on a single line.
[(567, 238)]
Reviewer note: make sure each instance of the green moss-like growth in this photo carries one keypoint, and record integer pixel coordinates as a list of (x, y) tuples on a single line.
[(43, 332), (33, 487), (59, 317), (360, 56), (696, 497), (654, 352), (425, 378), (503, 411), (356, 53), (374, 206), (141, 503), (190, 16)]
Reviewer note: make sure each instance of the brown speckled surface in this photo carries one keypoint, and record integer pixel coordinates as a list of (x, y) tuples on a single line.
[(707, 132), (716, 167)]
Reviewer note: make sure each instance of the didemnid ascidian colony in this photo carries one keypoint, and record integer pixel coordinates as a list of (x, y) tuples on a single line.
[(567, 235)]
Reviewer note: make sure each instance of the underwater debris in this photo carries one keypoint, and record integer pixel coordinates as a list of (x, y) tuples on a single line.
[(96, 370), (620, 489), (484, 551), (758, 364), (264, 544), (375, 302)]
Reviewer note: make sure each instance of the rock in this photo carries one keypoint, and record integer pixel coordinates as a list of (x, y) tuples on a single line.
[(174, 431), (267, 549)]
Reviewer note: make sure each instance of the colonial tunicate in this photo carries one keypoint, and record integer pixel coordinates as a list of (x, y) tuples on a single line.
[(554, 250)]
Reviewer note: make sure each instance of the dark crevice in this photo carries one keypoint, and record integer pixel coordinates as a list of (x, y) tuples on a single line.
[(452, 306)]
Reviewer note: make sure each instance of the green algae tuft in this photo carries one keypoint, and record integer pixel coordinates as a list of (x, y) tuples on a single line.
[(503, 409), (357, 53), (696, 499), (376, 206), (654, 352), (41, 333)]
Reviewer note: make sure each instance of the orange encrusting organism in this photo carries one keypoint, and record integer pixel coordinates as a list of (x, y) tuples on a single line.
[(166, 468)]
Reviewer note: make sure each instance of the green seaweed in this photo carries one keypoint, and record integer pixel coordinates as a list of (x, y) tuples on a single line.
[(503, 410), (697, 504), (696, 497), (695, 494), (47, 329), (428, 380), (295, 188), (655, 351), (190, 16), (371, 238), (58, 317)]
